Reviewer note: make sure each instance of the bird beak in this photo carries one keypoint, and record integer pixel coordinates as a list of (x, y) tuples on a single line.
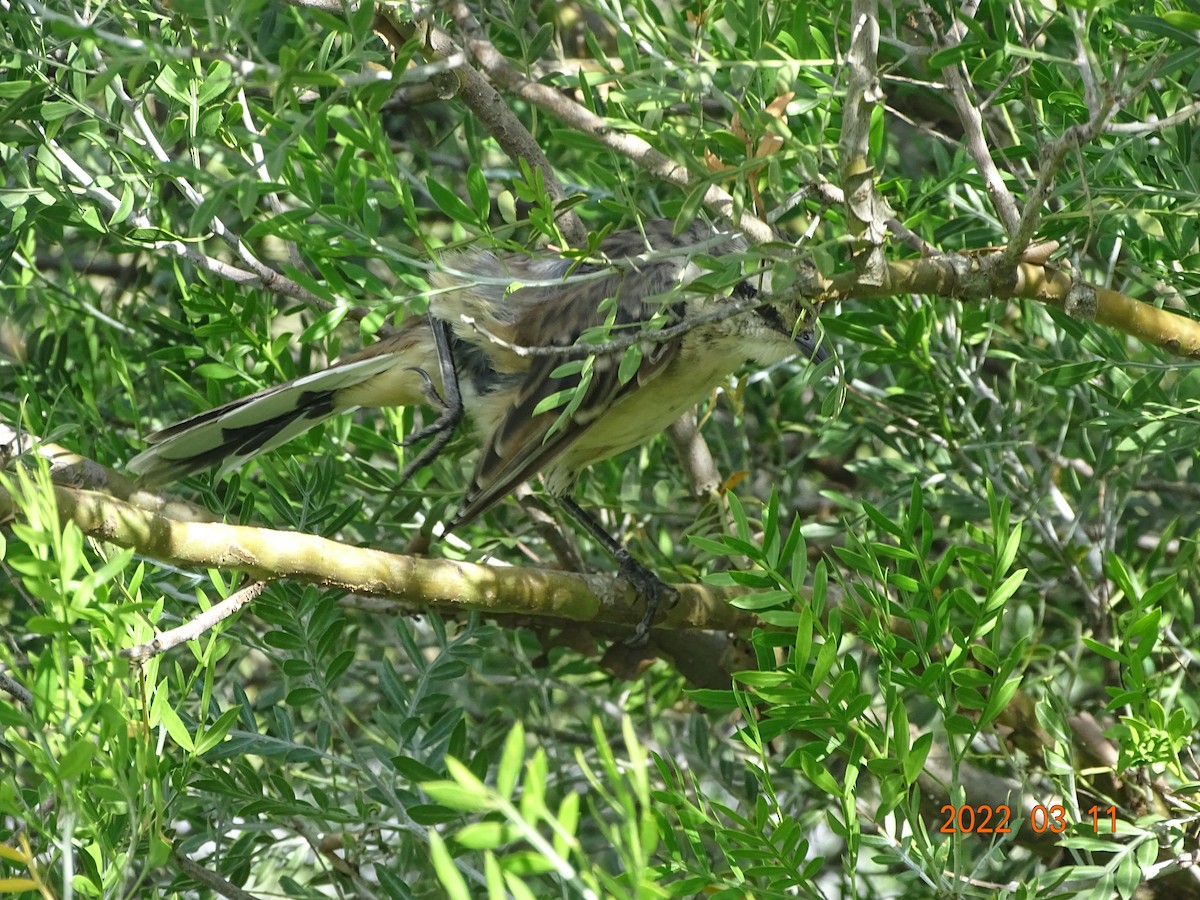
[(809, 343)]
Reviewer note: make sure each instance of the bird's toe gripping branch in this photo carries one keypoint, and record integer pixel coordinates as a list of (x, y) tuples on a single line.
[(649, 587)]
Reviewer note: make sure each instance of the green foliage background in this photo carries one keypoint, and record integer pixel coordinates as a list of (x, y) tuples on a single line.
[(970, 536)]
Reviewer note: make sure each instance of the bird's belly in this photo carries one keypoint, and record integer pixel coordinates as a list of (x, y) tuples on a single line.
[(640, 415)]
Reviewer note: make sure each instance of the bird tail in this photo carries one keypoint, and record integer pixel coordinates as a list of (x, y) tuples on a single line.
[(395, 372)]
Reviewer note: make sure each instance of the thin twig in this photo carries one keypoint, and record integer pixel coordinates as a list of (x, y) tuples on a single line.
[(579, 117), (272, 279), (272, 198), (725, 310), (209, 879), (1050, 164), (512, 136), (694, 456), (959, 86), (866, 211), (190, 631), (1138, 128), (17, 691), (263, 277)]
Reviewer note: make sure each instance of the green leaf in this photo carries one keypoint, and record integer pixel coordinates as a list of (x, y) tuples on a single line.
[(882, 521), (553, 401), (477, 190), (631, 361), (217, 371), (448, 202), (215, 733), (162, 713), (447, 873), (455, 796), (802, 647), (1104, 650), (1145, 626), (819, 775), (763, 600), (1072, 373), (999, 698), (76, 760), (412, 769), (13, 88), (914, 761), (1001, 595), (508, 772), (484, 835)]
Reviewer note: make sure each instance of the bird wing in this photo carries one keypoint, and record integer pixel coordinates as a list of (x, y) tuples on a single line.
[(526, 439)]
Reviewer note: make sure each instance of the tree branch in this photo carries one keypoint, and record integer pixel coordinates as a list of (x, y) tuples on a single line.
[(257, 273), (198, 625), (972, 122), (583, 120), (867, 213), (429, 583), (980, 278)]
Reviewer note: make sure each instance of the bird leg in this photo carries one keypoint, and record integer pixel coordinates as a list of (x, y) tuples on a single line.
[(648, 586), (449, 401)]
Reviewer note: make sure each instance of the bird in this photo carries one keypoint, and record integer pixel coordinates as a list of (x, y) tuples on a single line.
[(555, 360)]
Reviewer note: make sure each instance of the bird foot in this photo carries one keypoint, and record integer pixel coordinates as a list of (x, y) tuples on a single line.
[(450, 416), (651, 589)]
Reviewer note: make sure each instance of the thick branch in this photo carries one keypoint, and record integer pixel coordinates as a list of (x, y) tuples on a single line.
[(70, 469), (433, 583), (975, 278)]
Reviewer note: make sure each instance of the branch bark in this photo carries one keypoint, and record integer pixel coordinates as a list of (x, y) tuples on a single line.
[(979, 278), (867, 213), (430, 583)]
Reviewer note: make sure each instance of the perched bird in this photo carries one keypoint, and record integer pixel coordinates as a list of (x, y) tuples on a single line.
[(494, 347)]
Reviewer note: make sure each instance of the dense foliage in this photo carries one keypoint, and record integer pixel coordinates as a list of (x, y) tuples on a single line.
[(968, 535)]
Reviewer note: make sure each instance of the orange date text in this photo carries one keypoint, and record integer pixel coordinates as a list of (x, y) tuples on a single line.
[(984, 819)]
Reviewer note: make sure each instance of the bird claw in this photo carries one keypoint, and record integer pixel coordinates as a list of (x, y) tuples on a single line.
[(653, 590), (442, 430), (448, 420)]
